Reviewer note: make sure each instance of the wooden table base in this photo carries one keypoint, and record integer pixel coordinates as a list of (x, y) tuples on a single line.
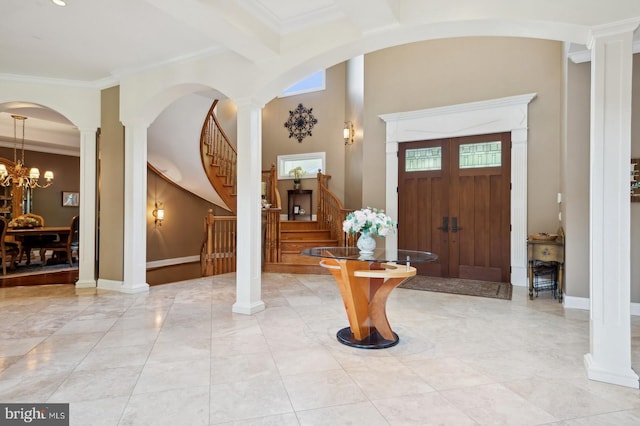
[(365, 287)]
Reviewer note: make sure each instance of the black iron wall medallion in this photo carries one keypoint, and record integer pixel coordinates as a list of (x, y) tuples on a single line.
[(300, 122)]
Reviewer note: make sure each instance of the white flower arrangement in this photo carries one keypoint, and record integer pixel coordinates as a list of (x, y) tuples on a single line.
[(297, 173), (369, 220)]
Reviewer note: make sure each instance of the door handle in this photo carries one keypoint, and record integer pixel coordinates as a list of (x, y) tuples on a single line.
[(445, 224), (454, 225)]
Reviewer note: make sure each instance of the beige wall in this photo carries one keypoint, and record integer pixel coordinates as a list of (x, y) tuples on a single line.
[(576, 183), (173, 239), (227, 115), (111, 192), (174, 273), (355, 114), (576, 180), (329, 108), (452, 71), (47, 202)]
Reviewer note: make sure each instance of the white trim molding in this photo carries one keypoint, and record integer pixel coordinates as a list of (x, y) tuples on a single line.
[(172, 262), (582, 53), (508, 114), (572, 302)]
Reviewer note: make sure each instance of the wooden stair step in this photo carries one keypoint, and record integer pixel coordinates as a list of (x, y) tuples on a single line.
[(298, 245), (299, 259), (289, 225), (305, 234)]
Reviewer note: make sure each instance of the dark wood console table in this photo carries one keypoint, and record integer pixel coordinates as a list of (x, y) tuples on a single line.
[(293, 195)]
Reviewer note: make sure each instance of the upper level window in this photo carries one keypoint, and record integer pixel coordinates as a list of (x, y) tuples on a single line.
[(310, 162), (312, 83)]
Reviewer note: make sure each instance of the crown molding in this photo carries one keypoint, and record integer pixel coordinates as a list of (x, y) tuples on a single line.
[(584, 55), (29, 79)]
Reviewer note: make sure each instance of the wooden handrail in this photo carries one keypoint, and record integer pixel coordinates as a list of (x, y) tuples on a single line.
[(219, 158), (270, 180), (331, 213), (271, 218)]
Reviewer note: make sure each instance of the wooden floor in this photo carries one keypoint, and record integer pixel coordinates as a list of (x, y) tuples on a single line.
[(54, 277)]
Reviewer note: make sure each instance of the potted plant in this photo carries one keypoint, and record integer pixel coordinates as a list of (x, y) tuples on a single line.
[(297, 174)]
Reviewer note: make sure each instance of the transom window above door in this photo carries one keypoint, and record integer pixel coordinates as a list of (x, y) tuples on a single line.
[(485, 154), (423, 159)]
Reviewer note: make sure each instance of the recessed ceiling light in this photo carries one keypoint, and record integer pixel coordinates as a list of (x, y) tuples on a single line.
[(59, 2)]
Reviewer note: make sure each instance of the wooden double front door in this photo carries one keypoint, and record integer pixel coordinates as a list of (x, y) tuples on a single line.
[(454, 201)]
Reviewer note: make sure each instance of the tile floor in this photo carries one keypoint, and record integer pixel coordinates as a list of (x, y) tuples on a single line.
[(178, 356)]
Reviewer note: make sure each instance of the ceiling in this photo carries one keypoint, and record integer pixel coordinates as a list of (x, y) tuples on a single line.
[(95, 43)]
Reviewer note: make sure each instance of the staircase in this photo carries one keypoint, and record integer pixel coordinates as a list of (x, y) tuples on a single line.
[(283, 240), (219, 159), (294, 237)]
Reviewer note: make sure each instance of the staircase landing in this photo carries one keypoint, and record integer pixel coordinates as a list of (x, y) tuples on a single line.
[(295, 236)]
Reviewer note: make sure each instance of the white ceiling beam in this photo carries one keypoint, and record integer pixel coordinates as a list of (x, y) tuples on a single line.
[(227, 25), (371, 15)]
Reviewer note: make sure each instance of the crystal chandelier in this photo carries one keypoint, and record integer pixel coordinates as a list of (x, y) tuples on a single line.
[(18, 174)]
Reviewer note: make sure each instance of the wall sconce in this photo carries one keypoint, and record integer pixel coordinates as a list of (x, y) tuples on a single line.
[(158, 213), (348, 133)]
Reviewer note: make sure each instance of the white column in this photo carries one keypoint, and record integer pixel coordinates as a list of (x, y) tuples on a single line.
[(519, 263), (87, 242), (135, 215), (610, 338), (391, 148), (249, 216)]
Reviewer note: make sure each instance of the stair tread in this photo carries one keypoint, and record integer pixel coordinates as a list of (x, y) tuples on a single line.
[(305, 230), (309, 239)]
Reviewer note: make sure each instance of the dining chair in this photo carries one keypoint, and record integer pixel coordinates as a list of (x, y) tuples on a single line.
[(67, 246), (7, 249)]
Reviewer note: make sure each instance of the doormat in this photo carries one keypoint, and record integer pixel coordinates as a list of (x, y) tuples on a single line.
[(460, 286)]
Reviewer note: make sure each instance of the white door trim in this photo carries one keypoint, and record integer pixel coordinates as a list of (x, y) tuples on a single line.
[(508, 114)]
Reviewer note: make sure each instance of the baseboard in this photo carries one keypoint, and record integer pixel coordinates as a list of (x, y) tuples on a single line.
[(109, 284), (171, 262), (571, 302), (584, 303)]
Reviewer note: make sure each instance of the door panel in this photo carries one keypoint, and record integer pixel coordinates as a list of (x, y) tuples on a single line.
[(481, 188), (473, 197), (423, 205)]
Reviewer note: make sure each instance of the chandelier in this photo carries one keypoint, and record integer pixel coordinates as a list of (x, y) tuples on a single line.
[(18, 174)]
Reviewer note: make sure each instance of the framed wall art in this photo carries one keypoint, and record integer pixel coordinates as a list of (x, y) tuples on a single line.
[(300, 122), (70, 199)]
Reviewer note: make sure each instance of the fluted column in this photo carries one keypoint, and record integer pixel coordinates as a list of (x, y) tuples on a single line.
[(134, 227), (249, 244), (610, 338)]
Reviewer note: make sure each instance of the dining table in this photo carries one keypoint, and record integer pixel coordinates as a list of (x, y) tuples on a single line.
[(365, 282), (19, 234)]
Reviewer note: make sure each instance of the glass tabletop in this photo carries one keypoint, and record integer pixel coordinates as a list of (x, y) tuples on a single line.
[(379, 255)]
